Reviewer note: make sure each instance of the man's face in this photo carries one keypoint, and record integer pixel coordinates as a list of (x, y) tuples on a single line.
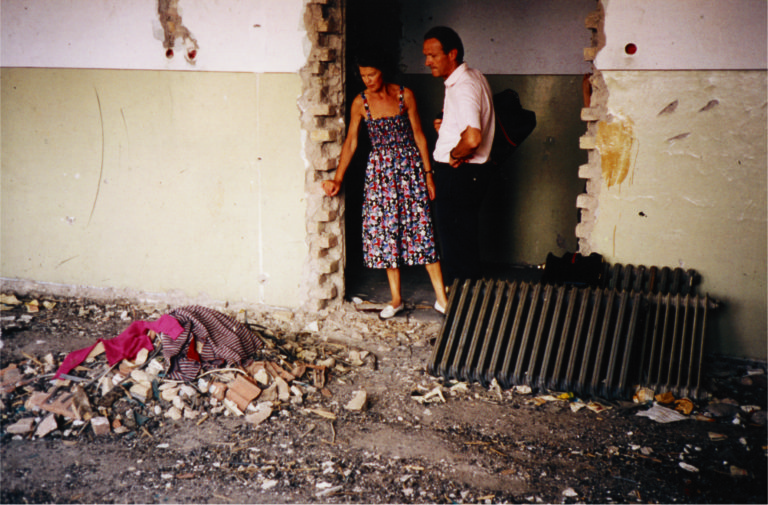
[(440, 63)]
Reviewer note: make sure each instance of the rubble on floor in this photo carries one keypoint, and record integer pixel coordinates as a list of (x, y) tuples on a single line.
[(339, 407), (132, 395)]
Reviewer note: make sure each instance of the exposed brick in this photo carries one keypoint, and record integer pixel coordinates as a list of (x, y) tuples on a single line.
[(327, 241), (325, 54), (587, 142), (325, 292), (325, 216), (584, 201), (322, 109), (328, 266), (590, 114), (589, 171), (322, 135)]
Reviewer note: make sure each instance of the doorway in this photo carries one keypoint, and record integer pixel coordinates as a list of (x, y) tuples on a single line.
[(530, 209)]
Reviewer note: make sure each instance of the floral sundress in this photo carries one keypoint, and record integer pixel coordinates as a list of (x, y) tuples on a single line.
[(397, 224)]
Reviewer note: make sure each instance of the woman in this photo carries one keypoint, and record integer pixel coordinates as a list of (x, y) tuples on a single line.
[(397, 225)]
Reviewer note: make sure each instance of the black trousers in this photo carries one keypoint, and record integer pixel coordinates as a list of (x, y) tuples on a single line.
[(459, 196)]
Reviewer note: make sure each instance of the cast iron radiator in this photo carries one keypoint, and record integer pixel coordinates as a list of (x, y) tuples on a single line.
[(592, 341)]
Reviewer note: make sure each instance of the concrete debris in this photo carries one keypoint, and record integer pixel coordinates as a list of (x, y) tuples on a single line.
[(46, 426), (303, 376), (113, 397), (433, 396), (358, 402), (22, 426)]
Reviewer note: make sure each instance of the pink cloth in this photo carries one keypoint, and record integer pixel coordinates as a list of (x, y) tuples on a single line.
[(126, 345)]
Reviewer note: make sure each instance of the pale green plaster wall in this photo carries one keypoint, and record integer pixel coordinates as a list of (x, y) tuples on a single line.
[(694, 194), (164, 182)]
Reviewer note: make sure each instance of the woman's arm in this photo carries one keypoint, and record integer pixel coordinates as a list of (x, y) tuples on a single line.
[(332, 187), (421, 139)]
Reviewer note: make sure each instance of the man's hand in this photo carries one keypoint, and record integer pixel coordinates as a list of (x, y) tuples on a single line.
[(456, 162)]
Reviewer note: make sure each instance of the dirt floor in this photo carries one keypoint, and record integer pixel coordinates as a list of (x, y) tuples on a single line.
[(412, 443)]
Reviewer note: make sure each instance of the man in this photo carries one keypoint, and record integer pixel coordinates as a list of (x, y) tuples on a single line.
[(461, 154)]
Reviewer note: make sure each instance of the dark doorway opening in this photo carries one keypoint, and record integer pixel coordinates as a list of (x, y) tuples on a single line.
[(531, 207)]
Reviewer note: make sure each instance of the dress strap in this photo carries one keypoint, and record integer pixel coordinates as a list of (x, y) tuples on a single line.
[(402, 99), (367, 109)]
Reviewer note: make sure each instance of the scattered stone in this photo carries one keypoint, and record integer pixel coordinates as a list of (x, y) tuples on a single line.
[(141, 391), (722, 409), (688, 468), (262, 377), (261, 413), (174, 413), (283, 390), (46, 426), (358, 402), (22, 426), (100, 425)]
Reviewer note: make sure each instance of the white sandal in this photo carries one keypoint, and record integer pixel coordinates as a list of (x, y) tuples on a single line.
[(439, 308), (390, 311)]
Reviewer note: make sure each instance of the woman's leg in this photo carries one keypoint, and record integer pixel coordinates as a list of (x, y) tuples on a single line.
[(436, 276), (393, 276)]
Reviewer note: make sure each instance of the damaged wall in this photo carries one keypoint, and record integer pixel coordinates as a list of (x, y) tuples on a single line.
[(127, 171), (677, 152)]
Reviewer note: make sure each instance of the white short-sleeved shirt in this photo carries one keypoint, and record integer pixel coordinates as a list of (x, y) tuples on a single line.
[(468, 102)]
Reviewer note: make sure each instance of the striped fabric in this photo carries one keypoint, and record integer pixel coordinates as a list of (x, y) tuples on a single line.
[(221, 341)]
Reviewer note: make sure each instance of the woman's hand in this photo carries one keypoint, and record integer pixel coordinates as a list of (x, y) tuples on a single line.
[(331, 187), (431, 185)]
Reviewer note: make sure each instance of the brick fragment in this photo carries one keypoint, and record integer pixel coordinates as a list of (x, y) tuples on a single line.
[(245, 389), (278, 371), (218, 390), (100, 425), (21, 427), (46, 426)]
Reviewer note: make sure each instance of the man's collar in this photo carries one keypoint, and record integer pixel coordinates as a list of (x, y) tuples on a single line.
[(458, 71)]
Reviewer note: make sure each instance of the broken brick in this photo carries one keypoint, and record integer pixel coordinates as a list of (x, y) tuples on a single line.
[(241, 402), (100, 425), (46, 426), (245, 388), (21, 427), (298, 370), (254, 367), (141, 392), (278, 371), (218, 390), (10, 376)]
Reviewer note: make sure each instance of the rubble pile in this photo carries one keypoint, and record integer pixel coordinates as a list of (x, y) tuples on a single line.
[(339, 407), (134, 395)]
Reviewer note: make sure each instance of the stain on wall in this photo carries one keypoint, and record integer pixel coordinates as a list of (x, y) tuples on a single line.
[(616, 143), (173, 28)]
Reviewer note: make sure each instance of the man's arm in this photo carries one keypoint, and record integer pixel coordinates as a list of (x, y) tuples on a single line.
[(470, 140)]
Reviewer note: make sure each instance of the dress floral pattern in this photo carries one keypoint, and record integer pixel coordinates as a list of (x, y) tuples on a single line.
[(397, 224)]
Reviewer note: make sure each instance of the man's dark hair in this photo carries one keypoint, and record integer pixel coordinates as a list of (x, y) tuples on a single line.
[(449, 39)]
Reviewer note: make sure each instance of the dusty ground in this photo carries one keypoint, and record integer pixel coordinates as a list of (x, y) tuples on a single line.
[(477, 446)]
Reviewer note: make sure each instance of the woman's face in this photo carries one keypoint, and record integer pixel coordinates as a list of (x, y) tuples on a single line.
[(372, 78)]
